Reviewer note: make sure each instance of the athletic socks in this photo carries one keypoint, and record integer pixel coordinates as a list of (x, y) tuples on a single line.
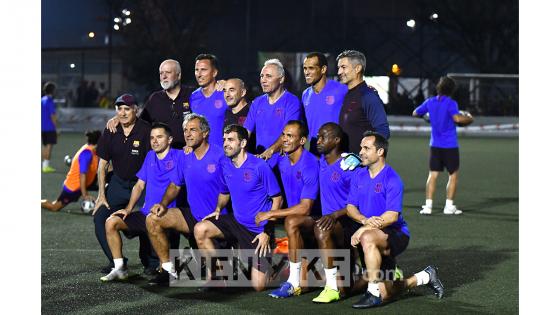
[(119, 263), (422, 278), (429, 203), (170, 268), (295, 271), (46, 163), (448, 203), (330, 274), (373, 288)]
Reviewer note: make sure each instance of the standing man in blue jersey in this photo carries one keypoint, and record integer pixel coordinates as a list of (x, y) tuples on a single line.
[(154, 176), (200, 172), (322, 100), (252, 188), (207, 100), (238, 107), (334, 186), (271, 111), (125, 150), (48, 126), (444, 146), (375, 204), (362, 108), (299, 171), (168, 105)]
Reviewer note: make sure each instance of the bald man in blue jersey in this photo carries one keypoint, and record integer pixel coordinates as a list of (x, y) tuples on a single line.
[(375, 204)]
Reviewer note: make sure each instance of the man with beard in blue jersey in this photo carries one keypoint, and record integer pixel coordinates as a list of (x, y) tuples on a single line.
[(252, 187)]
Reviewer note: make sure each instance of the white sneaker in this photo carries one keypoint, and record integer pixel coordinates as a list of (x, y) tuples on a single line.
[(115, 274), (426, 210), (451, 210)]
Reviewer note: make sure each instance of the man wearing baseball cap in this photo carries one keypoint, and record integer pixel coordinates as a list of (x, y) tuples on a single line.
[(125, 150)]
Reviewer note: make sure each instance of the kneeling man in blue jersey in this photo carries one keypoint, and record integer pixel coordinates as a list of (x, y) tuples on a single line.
[(250, 184), (375, 201), (299, 170), (200, 172), (155, 175)]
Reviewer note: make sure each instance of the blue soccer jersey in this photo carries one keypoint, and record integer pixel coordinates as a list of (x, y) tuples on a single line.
[(251, 187), (47, 109), (374, 196), (214, 109), (334, 184), (202, 179), (268, 120), (157, 175), (323, 107), (301, 180), (442, 109)]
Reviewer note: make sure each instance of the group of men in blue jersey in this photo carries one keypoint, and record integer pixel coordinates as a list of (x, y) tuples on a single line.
[(210, 186)]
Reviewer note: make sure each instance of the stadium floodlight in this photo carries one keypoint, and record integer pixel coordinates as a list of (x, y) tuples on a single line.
[(116, 27), (117, 20), (434, 16), (72, 65), (127, 21), (91, 34), (126, 12), (411, 23)]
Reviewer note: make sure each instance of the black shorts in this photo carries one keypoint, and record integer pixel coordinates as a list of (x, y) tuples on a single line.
[(48, 137), (441, 157), (398, 242), (189, 218), (237, 234), (67, 197), (136, 223)]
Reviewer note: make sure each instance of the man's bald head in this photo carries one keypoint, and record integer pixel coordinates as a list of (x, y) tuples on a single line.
[(234, 91)]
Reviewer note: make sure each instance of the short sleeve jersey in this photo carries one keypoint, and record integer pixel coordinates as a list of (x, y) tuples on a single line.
[(334, 184), (157, 175), (214, 109), (301, 180), (202, 179), (323, 107), (251, 187), (374, 196), (47, 109), (442, 109)]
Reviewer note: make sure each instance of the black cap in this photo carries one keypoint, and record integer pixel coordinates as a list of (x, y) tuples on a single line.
[(126, 99)]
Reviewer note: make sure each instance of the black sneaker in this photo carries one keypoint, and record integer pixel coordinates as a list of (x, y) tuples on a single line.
[(368, 300), (435, 283), (161, 279), (148, 271)]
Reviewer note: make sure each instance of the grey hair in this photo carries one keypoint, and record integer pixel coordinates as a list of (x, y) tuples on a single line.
[(204, 126), (278, 65), (175, 62), (355, 57), (241, 83)]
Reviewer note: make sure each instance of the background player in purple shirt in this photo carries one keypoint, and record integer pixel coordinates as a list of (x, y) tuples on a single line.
[(154, 175), (323, 98), (200, 172), (334, 186), (253, 189), (444, 146), (48, 125), (208, 100), (362, 109), (271, 111), (375, 201), (299, 171)]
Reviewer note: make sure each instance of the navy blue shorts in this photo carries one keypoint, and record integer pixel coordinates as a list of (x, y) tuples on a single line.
[(442, 157), (48, 137), (136, 223)]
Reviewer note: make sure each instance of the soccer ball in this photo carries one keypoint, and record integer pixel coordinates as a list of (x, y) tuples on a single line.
[(426, 117), (68, 160), (87, 206), (465, 113)]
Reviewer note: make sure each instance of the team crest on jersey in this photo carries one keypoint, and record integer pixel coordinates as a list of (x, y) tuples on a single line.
[(279, 112), (169, 165), (186, 105), (335, 177), (211, 168), (241, 120), (136, 143), (298, 174), (329, 100), (247, 176), (218, 103), (378, 187)]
